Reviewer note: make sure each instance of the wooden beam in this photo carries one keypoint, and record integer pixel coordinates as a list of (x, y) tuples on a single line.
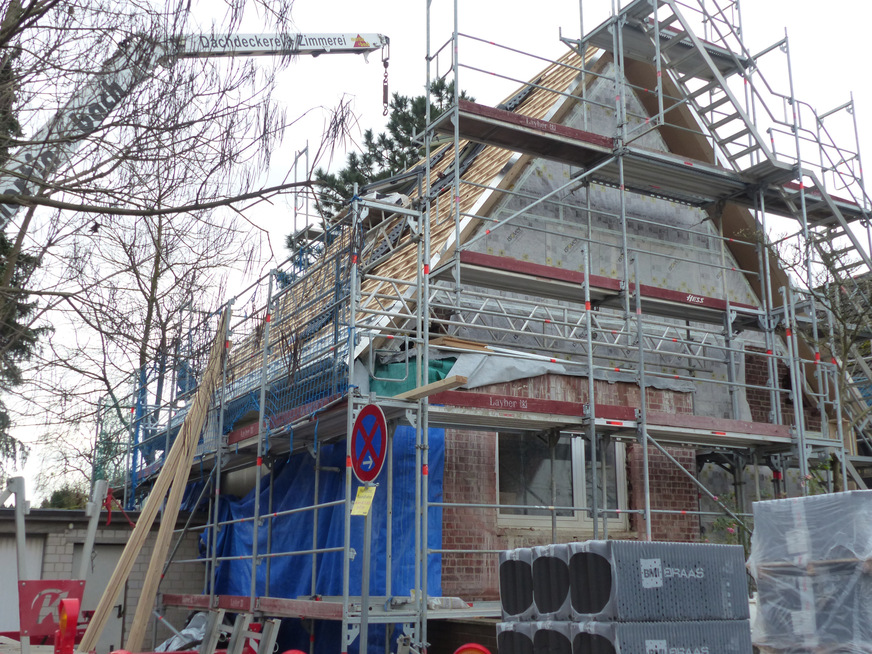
[(436, 387), (177, 458), (190, 434)]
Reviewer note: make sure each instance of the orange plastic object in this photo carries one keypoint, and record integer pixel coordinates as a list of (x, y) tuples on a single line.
[(68, 619), (472, 648)]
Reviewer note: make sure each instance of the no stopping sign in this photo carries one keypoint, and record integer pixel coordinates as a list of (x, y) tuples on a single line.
[(369, 443)]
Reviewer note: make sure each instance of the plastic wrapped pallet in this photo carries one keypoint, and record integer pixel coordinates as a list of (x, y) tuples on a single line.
[(635, 581), (535, 637), (516, 584), (800, 530), (811, 559), (709, 637), (829, 609)]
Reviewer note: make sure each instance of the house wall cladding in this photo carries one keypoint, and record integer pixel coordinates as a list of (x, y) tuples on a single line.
[(470, 476)]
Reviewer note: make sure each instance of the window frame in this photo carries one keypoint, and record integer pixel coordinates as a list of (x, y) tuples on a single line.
[(580, 519)]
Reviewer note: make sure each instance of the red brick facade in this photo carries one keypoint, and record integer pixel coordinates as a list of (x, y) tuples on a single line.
[(671, 490), (470, 476), (759, 399)]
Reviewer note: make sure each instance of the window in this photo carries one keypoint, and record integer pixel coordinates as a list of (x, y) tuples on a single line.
[(525, 478)]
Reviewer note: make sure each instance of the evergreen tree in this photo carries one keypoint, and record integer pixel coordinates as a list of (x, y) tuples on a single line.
[(387, 154), (68, 496), (17, 338)]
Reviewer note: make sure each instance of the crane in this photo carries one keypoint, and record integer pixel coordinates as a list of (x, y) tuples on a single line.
[(53, 145)]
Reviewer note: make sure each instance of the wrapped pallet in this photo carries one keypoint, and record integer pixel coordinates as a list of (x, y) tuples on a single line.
[(810, 557)]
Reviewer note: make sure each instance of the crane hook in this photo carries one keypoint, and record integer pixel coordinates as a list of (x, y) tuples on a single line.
[(386, 55)]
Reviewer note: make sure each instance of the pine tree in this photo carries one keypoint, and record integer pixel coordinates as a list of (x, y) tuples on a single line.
[(387, 154), (18, 338)]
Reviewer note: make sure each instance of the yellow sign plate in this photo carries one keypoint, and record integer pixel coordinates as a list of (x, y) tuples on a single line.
[(363, 501)]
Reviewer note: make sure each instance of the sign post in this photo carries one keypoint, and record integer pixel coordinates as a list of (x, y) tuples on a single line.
[(369, 444)]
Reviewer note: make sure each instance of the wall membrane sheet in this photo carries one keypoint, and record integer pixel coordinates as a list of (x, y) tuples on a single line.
[(290, 576)]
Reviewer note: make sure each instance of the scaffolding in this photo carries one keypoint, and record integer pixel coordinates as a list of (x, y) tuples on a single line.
[(655, 144)]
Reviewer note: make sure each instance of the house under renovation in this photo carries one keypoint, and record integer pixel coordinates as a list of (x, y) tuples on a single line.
[(575, 320)]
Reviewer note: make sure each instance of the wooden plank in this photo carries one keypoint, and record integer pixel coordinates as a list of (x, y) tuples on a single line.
[(459, 343), (146, 518), (299, 608), (436, 387)]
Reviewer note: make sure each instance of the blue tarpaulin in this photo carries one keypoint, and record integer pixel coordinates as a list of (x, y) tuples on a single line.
[(291, 576)]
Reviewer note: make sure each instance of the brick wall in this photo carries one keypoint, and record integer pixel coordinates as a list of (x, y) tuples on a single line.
[(759, 400), (671, 490), (575, 389), (470, 477)]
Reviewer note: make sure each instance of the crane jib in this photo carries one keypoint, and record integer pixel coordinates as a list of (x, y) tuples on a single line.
[(53, 146), (227, 45)]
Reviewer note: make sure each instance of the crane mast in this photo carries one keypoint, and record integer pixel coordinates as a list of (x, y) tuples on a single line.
[(32, 166)]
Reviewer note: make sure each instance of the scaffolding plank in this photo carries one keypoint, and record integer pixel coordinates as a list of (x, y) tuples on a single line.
[(818, 210), (649, 172), (694, 430), (717, 426), (381, 609), (503, 403), (520, 133), (299, 608), (187, 601), (639, 44), (489, 409)]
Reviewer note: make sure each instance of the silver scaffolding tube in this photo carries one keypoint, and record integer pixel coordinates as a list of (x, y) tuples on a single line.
[(219, 457), (643, 408), (262, 434), (348, 631)]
